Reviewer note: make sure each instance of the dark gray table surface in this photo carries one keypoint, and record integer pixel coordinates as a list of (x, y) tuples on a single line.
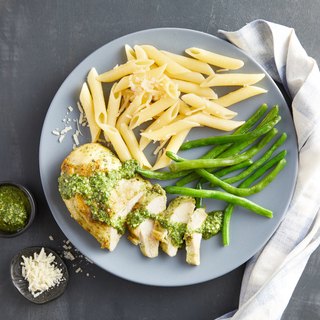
[(41, 42)]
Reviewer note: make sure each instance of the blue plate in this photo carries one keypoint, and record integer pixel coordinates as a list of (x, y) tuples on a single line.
[(249, 231)]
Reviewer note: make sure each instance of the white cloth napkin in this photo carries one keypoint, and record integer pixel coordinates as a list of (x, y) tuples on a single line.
[(272, 274)]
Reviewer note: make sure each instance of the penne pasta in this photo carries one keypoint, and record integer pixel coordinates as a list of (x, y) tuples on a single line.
[(126, 116), (214, 122), (131, 55), (184, 108), (189, 87), (140, 53), (232, 79), (160, 59), (171, 129), (87, 105), (191, 76), (167, 117), (99, 105), (174, 145), (151, 111), (172, 90), (239, 95), (117, 141), (215, 109), (124, 69), (169, 87), (132, 144), (113, 106), (189, 63), (215, 59)]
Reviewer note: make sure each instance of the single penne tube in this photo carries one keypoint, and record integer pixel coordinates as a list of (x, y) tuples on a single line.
[(167, 117), (215, 59), (174, 145), (239, 95), (169, 87), (122, 84), (117, 142), (140, 53), (99, 105), (171, 129), (189, 63), (152, 110), (189, 87), (124, 69), (131, 55), (214, 122), (125, 102), (113, 106), (133, 146), (232, 79), (184, 108), (192, 76), (126, 116), (213, 108), (140, 78), (160, 59), (87, 105)]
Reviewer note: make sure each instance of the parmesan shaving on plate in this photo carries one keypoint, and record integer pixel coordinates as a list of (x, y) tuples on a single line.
[(40, 272)]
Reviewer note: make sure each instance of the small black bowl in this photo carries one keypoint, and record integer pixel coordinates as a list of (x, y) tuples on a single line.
[(22, 285), (31, 214)]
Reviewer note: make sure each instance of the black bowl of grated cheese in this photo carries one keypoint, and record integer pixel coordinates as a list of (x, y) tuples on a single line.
[(39, 274)]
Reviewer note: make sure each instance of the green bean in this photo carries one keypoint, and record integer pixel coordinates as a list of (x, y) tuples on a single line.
[(214, 152), (225, 230), (231, 138), (243, 192), (199, 202), (223, 172), (257, 164), (223, 151), (246, 183), (220, 195), (269, 164), (158, 175), (223, 162), (220, 173)]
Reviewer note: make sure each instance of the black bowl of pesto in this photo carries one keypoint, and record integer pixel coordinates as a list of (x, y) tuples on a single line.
[(17, 209)]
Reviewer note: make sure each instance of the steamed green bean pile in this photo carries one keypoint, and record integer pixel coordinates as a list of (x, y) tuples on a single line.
[(231, 153)]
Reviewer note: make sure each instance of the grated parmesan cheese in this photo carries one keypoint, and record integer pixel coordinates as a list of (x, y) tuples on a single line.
[(40, 272), (68, 255), (61, 138), (66, 129)]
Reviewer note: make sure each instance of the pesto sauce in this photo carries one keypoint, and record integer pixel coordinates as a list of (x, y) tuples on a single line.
[(96, 190), (136, 217), (14, 208), (176, 230), (212, 225)]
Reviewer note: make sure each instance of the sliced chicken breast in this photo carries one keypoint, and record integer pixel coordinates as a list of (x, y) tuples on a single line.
[(154, 202), (193, 238), (119, 196), (176, 217)]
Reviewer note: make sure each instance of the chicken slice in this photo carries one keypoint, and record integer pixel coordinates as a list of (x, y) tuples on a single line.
[(154, 202), (169, 230), (193, 238)]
